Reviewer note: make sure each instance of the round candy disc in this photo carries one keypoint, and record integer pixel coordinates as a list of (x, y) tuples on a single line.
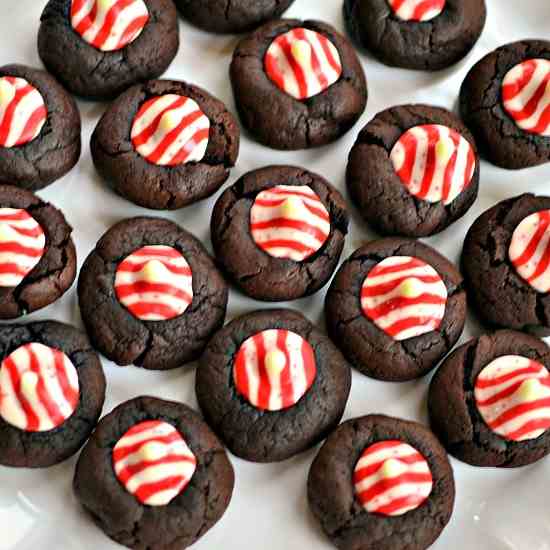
[(289, 222), (392, 478), (530, 250), (153, 462), (22, 243), (39, 388), (434, 162), (526, 95), (417, 10), (274, 369), (171, 129), (513, 396), (154, 283), (109, 25), (303, 63), (404, 296), (23, 112)]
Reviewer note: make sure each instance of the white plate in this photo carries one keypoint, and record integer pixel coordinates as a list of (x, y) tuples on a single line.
[(495, 510)]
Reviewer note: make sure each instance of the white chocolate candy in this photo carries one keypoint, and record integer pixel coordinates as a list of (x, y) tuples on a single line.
[(105, 5), (444, 149), (530, 390), (275, 362), (301, 51), (170, 120), (153, 450), (155, 271), (411, 288), (393, 468), (7, 92), (29, 381), (7, 233), (292, 207)]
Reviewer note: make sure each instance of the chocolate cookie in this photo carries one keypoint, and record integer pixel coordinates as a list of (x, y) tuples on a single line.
[(153, 475), (150, 294), (100, 60), (38, 255), (278, 232), (428, 35), (380, 483), (489, 400), (505, 264), (297, 84), (165, 144), (52, 387), (39, 128), (231, 17), (503, 100), (271, 385), (413, 170), (395, 308)]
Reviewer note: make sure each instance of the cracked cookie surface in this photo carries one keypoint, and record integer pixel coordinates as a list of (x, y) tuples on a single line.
[(257, 273), (231, 16), (120, 515), (368, 348), (333, 501), (277, 119), (26, 449), (263, 436), (163, 187), (498, 136), (375, 187), (454, 415), (124, 338), (89, 72), (427, 45)]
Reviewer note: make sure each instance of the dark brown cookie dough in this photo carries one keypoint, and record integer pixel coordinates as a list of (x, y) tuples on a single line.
[(499, 138), (56, 149), (231, 16), (277, 119), (155, 345), (89, 72), (25, 449), (427, 45), (496, 291), (56, 270), (163, 187), (120, 515), (375, 187), (333, 501), (257, 273), (454, 415), (368, 348), (267, 436)]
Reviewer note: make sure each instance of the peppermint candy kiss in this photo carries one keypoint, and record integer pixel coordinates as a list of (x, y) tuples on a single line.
[(153, 462), (39, 388), (289, 222), (274, 369), (434, 162), (171, 129), (404, 296), (512, 395), (392, 478), (530, 250), (23, 112), (154, 283), (109, 25), (526, 95), (303, 63), (417, 10)]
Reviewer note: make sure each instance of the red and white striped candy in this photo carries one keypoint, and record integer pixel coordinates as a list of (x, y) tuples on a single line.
[(39, 388), (109, 25), (290, 222), (154, 283), (526, 95), (530, 250), (23, 112), (434, 162), (303, 63), (22, 245), (171, 129), (392, 478), (153, 462), (512, 395), (417, 10), (274, 369), (404, 296)]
